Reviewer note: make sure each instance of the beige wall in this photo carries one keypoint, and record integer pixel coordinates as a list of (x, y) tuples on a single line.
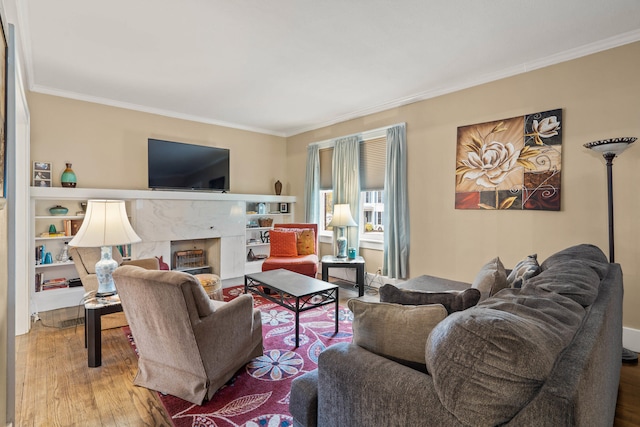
[(108, 146), (599, 95)]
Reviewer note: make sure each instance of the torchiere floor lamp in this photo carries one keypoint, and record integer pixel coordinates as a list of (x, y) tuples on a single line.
[(611, 148)]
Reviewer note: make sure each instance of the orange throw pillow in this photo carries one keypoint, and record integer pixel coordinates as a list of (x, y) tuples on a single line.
[(306, 242), (283, 242)]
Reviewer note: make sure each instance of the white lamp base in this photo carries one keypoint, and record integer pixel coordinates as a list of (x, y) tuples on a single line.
[(104, 270)]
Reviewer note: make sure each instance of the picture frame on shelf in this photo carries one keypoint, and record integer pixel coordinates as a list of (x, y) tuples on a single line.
[(41, 174), (284, 207)]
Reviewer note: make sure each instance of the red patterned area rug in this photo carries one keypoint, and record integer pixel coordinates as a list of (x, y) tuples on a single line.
[(259, 395)]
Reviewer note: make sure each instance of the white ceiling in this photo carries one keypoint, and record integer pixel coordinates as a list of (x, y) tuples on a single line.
[(286, 66)]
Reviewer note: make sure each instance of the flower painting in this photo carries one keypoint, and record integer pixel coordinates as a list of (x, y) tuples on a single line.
[(510, 164)]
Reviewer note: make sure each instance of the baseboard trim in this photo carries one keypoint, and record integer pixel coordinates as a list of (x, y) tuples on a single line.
[(631, 339)]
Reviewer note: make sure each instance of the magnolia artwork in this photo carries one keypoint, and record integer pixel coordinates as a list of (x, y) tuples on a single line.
[(510, 164)]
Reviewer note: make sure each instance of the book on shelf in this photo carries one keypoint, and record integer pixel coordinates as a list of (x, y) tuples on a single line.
[(67, 227), (39, 279), (40, 254), (56, 283), (125, 250)]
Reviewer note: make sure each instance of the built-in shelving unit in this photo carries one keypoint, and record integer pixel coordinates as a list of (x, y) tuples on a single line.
[(257, 233), (161, 218), (49, 299)]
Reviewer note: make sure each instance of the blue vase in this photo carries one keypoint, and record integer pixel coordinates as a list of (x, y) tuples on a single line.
[(68, 178)]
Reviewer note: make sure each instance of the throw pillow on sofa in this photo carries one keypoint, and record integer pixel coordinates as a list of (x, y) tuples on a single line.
[(586, 253), (397, 332), (283, 243), (491, 278), (524, 269), (572, 279), (451, 300), (306, 241)]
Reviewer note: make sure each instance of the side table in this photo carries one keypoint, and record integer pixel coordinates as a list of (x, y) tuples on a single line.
[(94, 309), (330, 261)]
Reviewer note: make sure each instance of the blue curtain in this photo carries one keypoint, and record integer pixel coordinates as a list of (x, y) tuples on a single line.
[(312, 185), (346, 182), (396, 215)]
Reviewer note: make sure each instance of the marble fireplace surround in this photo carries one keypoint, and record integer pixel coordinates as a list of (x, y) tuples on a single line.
[(218, 227)]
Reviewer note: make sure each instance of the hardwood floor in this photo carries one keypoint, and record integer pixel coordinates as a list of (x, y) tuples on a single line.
[(628, 406), (54, 386)]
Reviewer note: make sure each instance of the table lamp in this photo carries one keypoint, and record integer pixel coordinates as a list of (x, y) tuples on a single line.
[(105, 225), (341, 218), (610, 149)]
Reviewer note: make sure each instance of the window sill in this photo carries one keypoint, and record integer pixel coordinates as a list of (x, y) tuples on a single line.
[(376, 245)]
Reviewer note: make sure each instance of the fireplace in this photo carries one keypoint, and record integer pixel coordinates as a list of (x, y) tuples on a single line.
[(195, 256)]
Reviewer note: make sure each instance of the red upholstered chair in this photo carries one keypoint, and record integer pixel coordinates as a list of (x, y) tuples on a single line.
[(303, 264)]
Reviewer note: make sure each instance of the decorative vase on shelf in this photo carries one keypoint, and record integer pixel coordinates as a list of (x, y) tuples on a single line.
[(68, 178), (278, 188)]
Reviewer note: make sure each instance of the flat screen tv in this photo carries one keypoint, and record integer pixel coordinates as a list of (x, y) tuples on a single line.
[(180, 166)]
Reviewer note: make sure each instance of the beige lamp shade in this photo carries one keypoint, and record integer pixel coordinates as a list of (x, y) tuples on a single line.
[(105, 224), (342, 217)]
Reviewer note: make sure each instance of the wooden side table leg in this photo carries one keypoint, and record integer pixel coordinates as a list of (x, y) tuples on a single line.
[(86, 327), (325, 272), (297, 322), (360, 279), (94, 337), (337, 309)]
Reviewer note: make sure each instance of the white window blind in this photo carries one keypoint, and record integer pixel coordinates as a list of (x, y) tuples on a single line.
[(373, 157)]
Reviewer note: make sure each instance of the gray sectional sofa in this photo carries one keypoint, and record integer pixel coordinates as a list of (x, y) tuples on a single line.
[(546, 354)]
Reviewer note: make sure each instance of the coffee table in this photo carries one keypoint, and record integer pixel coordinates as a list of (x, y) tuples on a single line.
[(293, 291)]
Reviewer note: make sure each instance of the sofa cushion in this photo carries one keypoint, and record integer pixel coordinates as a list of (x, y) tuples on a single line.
[(572, 278), (433, 284), (523, 270), (283, 243), (489, 361), (589, 254), (452, 300), (305, 264), (491, 278), (397, 332)]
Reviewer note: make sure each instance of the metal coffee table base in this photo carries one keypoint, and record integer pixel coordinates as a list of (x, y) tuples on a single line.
[(293, 291)]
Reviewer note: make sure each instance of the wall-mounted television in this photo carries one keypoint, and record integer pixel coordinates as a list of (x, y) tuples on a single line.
[(181, 166)]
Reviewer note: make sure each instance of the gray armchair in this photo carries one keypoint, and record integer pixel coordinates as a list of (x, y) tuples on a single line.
[(85, 260), (188, 345)]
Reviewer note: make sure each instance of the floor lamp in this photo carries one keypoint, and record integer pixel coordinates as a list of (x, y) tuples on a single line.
[(611, 148)]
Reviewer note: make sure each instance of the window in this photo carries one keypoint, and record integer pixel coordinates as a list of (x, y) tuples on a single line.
[(372, 171), (369, 218)]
